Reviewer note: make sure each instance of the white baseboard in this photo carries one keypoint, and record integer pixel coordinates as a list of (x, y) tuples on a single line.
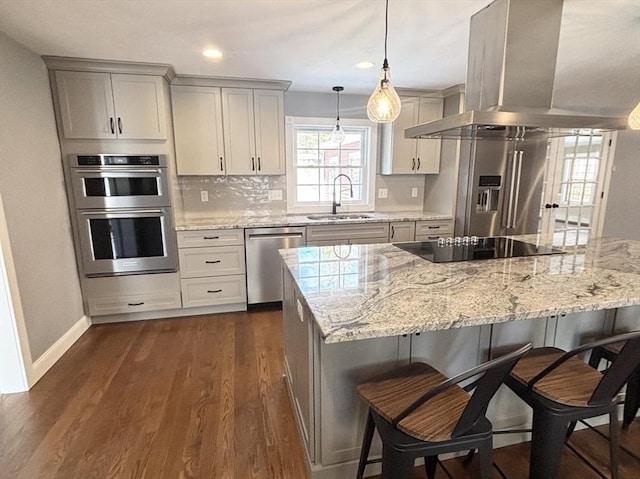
[(41, 365)]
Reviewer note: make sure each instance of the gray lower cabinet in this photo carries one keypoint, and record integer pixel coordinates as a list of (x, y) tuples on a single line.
[(212, 268), (402, 231), (131, 294), (360, 233)]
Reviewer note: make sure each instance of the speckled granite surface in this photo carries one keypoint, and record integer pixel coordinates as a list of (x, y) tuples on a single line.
[(300, 220), (368, 291)]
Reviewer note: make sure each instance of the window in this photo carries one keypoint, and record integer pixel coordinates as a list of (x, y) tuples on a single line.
[(314, 162)]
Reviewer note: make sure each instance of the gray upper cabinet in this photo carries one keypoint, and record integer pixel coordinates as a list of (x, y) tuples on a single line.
[(400, 155), (197, 124), (111, 106), (253, 131)]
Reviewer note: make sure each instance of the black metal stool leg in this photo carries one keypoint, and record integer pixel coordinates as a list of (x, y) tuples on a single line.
[(547, 441), (632, 400), (366, 444), (430, 464), (485, 454), (614, 435)]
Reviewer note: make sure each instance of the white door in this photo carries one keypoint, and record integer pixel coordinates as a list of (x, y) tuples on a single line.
[(428, 151), (239, 131), (405, 158), (197, 124), (139, 106), (86, 105), (268, 108), (575, 185)]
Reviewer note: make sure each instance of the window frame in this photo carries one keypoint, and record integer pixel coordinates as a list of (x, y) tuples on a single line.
[(369, 162)]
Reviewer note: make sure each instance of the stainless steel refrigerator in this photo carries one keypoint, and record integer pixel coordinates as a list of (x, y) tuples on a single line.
[(500, 187)]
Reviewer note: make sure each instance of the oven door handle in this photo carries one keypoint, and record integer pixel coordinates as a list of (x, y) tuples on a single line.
[(120, 212), (104, 171)]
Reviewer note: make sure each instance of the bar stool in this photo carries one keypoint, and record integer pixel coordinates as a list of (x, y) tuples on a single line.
[(632, 401), (562, 389), (419, 412)]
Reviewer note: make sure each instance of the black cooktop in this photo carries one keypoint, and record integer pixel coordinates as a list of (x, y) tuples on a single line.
[(470, 249)]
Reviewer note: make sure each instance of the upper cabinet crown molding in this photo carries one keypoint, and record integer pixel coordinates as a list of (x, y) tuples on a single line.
[(230, 82), (110, 66)]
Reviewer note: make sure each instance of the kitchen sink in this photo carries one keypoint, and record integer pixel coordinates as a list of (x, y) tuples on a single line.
[(353, 216)]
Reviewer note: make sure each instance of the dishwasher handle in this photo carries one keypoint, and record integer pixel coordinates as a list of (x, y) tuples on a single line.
[(260, 236)]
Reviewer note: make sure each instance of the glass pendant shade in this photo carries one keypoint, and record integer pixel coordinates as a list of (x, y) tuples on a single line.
[(337, 135), (634, 118), (384, 103)]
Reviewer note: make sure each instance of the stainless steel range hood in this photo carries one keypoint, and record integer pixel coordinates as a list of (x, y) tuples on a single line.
[(513, 47)]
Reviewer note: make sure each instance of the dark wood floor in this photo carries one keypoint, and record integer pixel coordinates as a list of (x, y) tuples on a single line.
[(200, 397)]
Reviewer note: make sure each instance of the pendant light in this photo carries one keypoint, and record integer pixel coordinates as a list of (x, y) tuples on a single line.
[(384, 104), (634, 118), (337, 135)]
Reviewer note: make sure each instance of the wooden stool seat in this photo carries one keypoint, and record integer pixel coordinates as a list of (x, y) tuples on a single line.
[(572, 383), (392, 393)]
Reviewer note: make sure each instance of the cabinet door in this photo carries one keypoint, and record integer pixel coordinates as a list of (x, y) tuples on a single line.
[(268, 108), (139, 106), (86, 105), (239, 131), (428, 151), (197, 124), (402, 231), (404, 150)]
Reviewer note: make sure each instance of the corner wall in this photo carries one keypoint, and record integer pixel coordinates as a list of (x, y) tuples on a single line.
[(32, 187)]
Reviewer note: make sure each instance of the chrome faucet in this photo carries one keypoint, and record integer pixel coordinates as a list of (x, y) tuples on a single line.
[(337, 203)]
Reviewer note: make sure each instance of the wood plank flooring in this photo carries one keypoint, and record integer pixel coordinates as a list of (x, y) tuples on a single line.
[(199, 397)]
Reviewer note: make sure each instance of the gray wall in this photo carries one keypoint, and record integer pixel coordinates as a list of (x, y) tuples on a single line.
[(622, 218), (34, 197)]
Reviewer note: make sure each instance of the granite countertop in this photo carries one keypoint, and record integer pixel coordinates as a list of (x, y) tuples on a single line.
[(370, 291), (301, 220)]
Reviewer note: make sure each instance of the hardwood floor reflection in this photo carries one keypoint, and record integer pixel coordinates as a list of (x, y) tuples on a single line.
[(201, 397)]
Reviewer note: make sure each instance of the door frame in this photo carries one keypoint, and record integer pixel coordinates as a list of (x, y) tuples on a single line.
[(16, 365)]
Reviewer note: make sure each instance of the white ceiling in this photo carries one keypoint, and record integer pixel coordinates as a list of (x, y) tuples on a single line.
[(316, 43)]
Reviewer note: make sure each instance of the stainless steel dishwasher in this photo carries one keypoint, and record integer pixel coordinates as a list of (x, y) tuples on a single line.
[(264, 265)]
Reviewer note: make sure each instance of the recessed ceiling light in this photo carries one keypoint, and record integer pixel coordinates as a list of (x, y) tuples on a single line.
[(212, 53), (364, 65)]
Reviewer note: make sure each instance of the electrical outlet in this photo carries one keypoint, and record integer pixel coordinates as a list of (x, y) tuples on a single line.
[(204, 196), (414, 192), (382, 192), (275, 195)]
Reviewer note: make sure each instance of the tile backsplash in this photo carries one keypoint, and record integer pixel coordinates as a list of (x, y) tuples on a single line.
[(249, 195)]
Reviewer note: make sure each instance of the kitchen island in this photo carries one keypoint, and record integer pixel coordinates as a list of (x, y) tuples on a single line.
[(353, 311)]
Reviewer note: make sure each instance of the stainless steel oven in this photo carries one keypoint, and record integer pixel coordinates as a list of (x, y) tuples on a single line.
[(122, 214), (119, 181), (126, 241)]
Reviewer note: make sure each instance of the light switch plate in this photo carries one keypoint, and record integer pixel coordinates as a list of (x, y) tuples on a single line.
[(275, 195), (382, 192), (414, 192), (204, 196)]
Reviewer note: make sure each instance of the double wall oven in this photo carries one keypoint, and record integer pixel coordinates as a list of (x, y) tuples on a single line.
[(122, 214)]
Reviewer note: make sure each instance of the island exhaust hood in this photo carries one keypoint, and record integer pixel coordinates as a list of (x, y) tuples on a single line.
[(513, 48)]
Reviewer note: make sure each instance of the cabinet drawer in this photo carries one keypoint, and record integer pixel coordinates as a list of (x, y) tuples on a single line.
[(134, 303), (213, 261), (434, 228), (195, 239), (214, 291), (342, 233)]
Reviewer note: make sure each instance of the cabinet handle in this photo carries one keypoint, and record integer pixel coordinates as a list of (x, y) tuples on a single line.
[(113, 129), (213, 262), (211, 237), (119, 125), (221, 168), (433, 227), (413, 164), (418, 164), (136, 304), (259, 168), (214, 291), (393, 232), (253, 164)]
